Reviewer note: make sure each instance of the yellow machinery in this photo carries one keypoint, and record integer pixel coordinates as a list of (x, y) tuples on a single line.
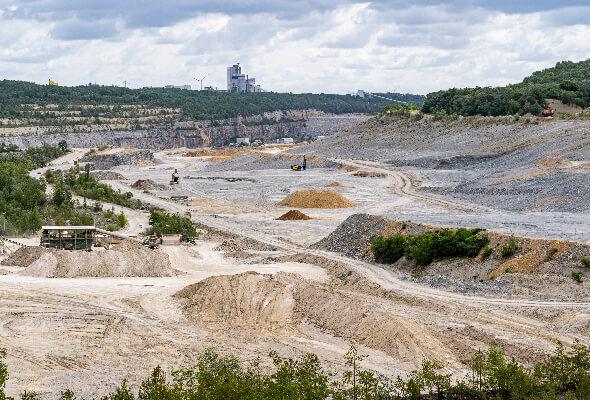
[(52, 82)]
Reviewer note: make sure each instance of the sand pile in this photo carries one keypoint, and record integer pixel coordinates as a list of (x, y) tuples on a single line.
[(294, 215), (351, 316), (248, 300), (128, 259), (284, 302), (148, 184), (24, 256), (316, 199)]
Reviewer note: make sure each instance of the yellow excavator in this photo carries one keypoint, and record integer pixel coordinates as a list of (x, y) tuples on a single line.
[(302, 167)]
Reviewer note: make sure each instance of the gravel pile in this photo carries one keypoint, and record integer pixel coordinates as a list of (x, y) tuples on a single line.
[(107, 175), (148, 184), (24, 256), (113, 159), (352, 236), (316, 199), (231, 246), (534, 262), (128, 259)]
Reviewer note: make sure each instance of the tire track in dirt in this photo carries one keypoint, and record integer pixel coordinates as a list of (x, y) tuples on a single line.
[(404, 185)]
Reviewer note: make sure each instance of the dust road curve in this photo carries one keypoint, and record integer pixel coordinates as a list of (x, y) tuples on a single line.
[(403, 185)]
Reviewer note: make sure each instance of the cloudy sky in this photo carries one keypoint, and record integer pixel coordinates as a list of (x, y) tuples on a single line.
[(332, 46)]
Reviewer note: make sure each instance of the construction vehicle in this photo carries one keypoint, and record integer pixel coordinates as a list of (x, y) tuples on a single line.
[(548, 112), (187, 239), (81, 238), (175, 179), (51, 82), (152, 241), (302, 167)]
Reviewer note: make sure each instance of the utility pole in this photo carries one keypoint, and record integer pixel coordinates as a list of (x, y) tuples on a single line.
[(126, 83)]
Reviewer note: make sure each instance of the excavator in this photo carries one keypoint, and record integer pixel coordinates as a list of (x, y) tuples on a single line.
[(175, 179), (302, 167)]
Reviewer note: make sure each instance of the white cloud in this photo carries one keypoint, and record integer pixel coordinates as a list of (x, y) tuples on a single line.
[(374, 46)]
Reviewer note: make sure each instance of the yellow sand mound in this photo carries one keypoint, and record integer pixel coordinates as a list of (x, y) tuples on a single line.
[(316, 199)]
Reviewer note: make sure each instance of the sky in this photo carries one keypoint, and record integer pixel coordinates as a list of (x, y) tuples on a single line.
[(321, 46)]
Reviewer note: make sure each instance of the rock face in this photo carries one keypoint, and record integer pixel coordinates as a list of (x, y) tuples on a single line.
[(128, 157), (193, 134)]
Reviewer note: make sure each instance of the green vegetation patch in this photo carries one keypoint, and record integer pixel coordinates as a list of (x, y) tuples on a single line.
[(85, 185), (22, 198), (509, 248), (427, 247), (164, 223), (567, 81)]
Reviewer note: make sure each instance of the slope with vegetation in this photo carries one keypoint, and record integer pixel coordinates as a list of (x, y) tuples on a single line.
[(25, 207), (568, 82), (47, 105)]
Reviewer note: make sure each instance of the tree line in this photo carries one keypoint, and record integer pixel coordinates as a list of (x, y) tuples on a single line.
[(492, 376), (17, 96), (567, 81)]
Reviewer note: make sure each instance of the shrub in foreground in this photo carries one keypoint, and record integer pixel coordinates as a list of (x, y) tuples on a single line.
[(492, 376)]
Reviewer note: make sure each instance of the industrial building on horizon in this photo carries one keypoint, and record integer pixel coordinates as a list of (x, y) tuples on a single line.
[(240, 83)]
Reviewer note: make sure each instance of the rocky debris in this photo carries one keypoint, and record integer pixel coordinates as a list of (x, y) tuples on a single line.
[(128, 259), (502, 163), (110, 159), (316, 199), (148, 184), (352, 236), (369, 174), (294, 215), (230, 246), (24, 256), (107, 175)]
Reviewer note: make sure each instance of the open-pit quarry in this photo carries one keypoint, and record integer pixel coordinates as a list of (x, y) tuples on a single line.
[(283, 260)]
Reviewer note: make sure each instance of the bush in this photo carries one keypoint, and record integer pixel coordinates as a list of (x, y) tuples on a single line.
[(388, 250), (509, 248), (425, 248), (85, 185), (163, 223), (585, 262), (487, 252), (577, 276)]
